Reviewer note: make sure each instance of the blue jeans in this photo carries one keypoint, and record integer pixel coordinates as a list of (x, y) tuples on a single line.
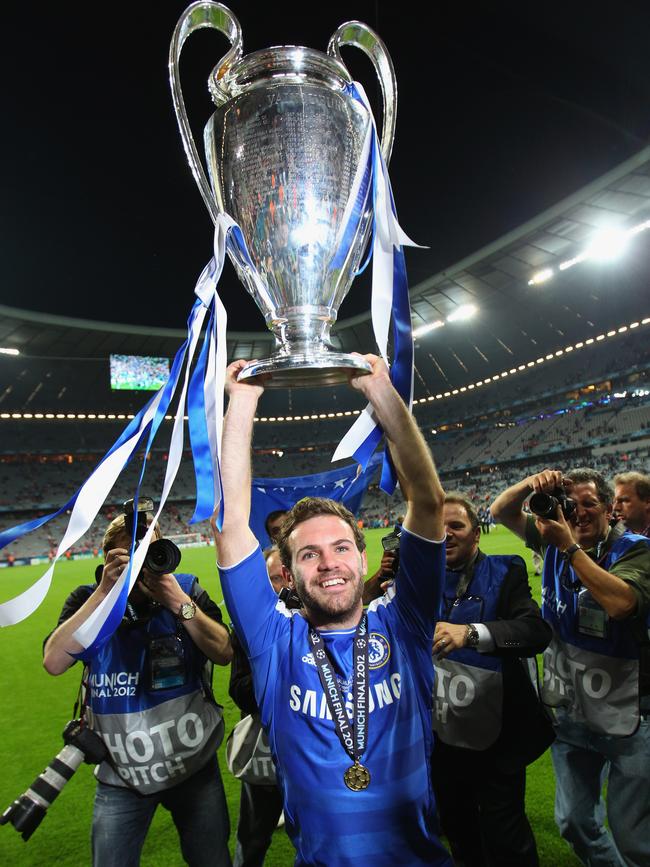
[(583, 761), (121, 819)]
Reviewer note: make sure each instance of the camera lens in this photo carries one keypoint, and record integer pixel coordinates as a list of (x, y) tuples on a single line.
[(162, 557), (543, 505)]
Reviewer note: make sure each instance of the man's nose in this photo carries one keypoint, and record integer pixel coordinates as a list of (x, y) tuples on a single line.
[(326, 561)]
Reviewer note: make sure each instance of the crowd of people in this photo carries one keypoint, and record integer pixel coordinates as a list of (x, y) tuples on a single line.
[(398, 712)]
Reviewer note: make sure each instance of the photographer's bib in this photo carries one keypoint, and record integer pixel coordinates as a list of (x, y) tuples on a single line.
[(147, 700), (591, 666), (468, 692)]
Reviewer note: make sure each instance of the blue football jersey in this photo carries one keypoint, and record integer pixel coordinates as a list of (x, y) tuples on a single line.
[(393, 821)]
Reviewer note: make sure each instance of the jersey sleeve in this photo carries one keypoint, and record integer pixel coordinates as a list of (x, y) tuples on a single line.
[(419, 583), (634, 568), (259, 617)]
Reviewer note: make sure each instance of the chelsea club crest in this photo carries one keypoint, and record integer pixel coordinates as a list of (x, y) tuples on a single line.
[(378, 650)]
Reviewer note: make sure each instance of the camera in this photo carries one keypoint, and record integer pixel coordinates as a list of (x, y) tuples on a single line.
[(545, 505), (163, 556), (81, 745), (390, 544), (290, 598)]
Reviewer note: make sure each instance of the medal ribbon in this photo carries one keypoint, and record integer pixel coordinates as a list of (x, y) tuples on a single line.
[(353, 736)]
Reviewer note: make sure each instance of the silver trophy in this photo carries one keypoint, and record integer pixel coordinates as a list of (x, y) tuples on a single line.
[(285, 150)]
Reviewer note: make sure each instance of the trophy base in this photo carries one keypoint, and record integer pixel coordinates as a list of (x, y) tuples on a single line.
[(304, 370)]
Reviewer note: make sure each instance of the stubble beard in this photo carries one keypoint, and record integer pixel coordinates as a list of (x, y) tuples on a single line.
[(334, 610)]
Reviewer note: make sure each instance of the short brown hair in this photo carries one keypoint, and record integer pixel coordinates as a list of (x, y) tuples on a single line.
[(461, 500), (584, 475), (640, 481), (116, 528), (312, 507)]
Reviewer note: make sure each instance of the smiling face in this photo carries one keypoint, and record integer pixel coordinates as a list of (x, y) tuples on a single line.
[(327, 570), (461, 539), (590, 521)]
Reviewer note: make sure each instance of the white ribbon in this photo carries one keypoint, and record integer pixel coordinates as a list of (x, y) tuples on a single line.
[(388, 235)]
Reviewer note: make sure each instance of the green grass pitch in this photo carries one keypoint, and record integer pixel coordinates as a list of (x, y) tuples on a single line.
[(35, 707)]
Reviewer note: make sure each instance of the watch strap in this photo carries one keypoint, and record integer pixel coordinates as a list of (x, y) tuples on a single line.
[(570, 551)]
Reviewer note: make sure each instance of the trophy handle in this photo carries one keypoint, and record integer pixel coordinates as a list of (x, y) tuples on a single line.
[(361, 36), (204, 13)]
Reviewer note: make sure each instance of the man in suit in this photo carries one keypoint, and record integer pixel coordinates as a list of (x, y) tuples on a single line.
[(487, 715)]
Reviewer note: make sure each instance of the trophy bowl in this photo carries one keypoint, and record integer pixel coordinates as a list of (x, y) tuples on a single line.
[(288, 155)]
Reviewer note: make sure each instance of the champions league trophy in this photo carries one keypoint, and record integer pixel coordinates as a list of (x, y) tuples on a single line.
[(287, 151)]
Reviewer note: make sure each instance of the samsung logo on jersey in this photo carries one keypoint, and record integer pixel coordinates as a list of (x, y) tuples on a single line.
[(314, 704)]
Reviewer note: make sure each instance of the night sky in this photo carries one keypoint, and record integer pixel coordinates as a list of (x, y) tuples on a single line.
[(504, 109)]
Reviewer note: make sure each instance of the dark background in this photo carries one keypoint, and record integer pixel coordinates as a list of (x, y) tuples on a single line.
[(504, 109)]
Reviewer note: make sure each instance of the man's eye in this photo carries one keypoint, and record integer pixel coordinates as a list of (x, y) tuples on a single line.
[(343, 548)]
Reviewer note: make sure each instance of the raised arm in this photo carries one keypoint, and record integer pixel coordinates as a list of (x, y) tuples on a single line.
[(413, 461), (236, 539), (507, 509)]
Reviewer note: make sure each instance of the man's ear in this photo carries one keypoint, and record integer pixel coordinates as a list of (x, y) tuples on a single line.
[(288, 577), (364, 564)]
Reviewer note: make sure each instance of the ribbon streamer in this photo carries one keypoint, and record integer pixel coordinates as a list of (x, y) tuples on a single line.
[(203, 394), (390, 305)]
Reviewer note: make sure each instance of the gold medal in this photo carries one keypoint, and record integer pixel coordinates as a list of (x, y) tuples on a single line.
[(357, 777)]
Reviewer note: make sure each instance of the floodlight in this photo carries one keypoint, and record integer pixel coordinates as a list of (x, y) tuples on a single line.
[(430, 326), (465, 311), (608, 244)]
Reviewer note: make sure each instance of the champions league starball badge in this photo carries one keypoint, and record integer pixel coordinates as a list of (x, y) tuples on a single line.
[(357, 777)]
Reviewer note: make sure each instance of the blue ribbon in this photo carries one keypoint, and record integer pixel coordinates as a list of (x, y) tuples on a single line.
[(200, 442), (402, 366), (116, 613), (13, 533)]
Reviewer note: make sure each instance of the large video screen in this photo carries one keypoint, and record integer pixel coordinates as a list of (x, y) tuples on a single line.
[(138, 372)]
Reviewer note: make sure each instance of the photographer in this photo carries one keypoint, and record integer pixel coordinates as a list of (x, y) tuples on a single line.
[(148, 695), (596, 596)]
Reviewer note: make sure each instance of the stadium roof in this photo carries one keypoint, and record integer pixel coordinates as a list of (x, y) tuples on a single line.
[(532, 293)]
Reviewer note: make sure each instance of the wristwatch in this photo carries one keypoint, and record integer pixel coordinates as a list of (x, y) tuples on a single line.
[(472, 636), (570, 551), (187, 610)]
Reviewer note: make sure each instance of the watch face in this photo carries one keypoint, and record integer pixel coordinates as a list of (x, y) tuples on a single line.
[(187, 611)]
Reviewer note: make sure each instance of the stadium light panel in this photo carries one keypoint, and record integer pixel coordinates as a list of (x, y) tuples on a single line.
[(8, 350), (425, 329), (607, 245), (465, 311), (541, 277)]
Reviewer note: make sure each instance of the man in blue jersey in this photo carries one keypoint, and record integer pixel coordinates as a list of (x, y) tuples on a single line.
[(345, 696), (596, 596)]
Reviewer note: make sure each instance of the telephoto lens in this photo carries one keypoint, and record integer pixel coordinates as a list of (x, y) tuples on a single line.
[(162, 557), (28, 811)]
